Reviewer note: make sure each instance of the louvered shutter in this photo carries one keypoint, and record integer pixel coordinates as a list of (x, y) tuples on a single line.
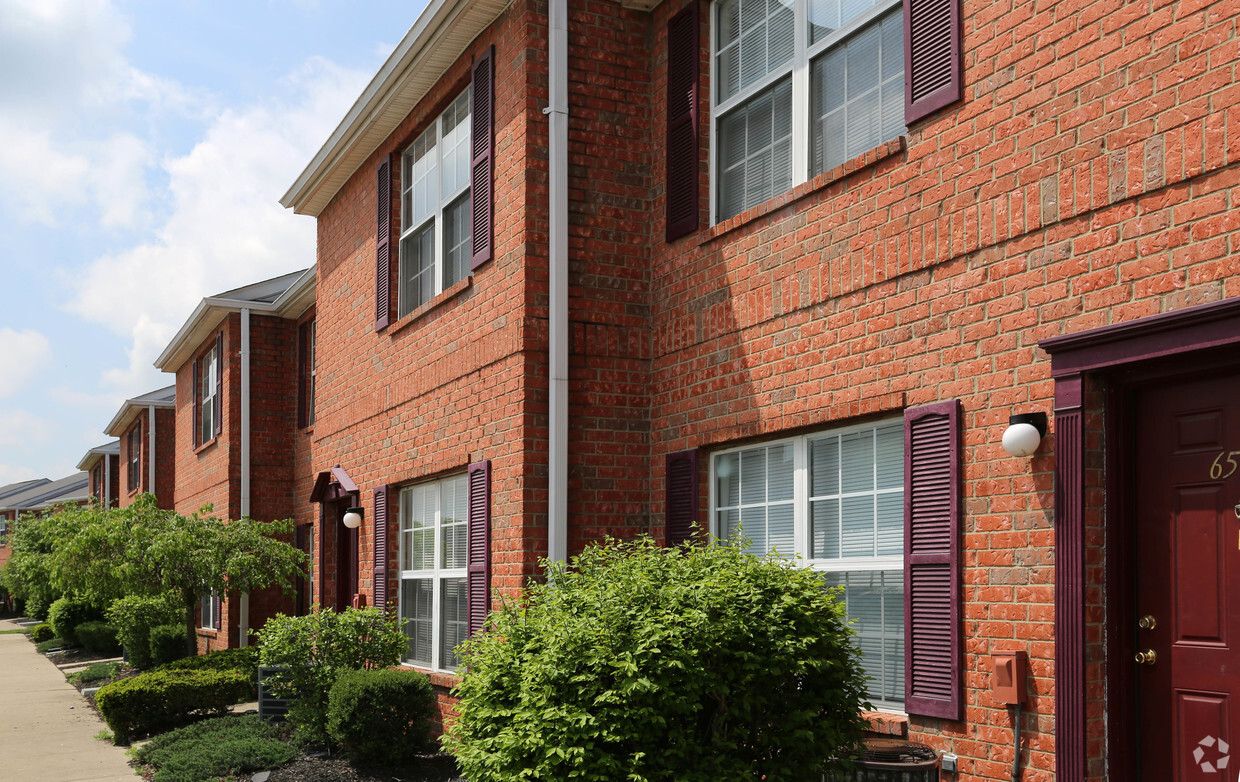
[(683, 58), (933, 57), (482, 158), (217, 607), (478, 547), (381, 548), (681, 491), (932, 625), (196, 405), (219, 383), (303, 370), (383, 245)]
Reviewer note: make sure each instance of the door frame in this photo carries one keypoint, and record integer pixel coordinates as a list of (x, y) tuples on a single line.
[(1118, 358)]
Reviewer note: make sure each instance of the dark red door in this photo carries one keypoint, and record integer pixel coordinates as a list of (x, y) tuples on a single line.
[(346, 558), (1187, 656)]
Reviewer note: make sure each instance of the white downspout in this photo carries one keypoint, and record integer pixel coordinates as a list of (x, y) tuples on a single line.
[(150, 447), (557, 146), (107, 481), (244, 619)]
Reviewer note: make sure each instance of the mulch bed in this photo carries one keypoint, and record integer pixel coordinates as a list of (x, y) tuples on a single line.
[(432, 768)]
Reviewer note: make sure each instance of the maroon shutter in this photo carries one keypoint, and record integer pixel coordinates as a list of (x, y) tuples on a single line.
[(303, 371), (932, 617), (381, 548), (933, 57), (219, 383), (683, 57), (383, 245), (482, 158), (681, 492), (478, 546), (196, 405), (217, 619)]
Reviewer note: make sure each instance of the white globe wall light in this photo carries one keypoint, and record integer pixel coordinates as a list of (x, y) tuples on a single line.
[(353, 517), (1024, 433)]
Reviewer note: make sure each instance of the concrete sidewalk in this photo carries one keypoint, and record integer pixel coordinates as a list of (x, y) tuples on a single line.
[(47, 732)]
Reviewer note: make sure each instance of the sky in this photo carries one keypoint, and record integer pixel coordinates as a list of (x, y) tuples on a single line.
[(144, 146)]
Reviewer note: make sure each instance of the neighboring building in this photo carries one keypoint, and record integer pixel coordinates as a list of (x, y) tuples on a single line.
[(146, 426), (810, 271), (240, 446), (7, 515), (38, 496), (102, 466)]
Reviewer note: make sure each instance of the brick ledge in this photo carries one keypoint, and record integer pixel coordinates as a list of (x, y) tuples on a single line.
[(887, 724), (417, 313)]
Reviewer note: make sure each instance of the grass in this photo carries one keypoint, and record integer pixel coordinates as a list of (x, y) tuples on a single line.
[(95, 673), (49, 644), (104, 735), (12, 632), (215, 748)]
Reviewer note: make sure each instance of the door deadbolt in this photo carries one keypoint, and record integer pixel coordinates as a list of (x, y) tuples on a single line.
[(1148, 657), (1147, 622)]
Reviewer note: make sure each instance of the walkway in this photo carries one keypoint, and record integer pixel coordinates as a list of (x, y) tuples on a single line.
[(47, 732)]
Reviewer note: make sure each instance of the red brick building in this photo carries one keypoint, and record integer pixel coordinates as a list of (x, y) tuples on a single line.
[(787, 271), (146, 430), (102, 467), (238, 444)]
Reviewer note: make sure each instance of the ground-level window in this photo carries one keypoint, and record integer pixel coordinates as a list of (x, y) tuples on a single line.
[(433, 523), (209, 611), (836, 500)]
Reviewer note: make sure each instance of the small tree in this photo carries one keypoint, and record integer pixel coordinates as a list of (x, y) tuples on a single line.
[(29, 574), (642, 663)]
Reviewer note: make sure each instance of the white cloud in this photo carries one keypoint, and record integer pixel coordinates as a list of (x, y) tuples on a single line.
[(22, 355), (20, 429)]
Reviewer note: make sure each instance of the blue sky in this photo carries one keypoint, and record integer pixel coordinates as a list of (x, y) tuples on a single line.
[(144, 145)]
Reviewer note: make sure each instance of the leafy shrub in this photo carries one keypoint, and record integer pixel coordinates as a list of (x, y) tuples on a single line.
[(381, 715), (243, 660), (215, 748), (42, 632), (643, 663), (158, 700), (167, 644), (46, 646), (36, 607), (316, 648), (133, 617), (95, 673), (98, 637), (67, 613)]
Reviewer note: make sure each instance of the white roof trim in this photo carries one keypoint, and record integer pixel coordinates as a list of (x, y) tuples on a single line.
[(442, 33)]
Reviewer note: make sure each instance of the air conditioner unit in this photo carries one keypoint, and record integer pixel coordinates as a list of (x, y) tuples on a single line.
[(892, 760)]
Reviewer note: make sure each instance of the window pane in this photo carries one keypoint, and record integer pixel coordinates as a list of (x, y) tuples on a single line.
[(453, 628), (728, 480), (755, 152), (753, 476), (417, 268), (416, 608), (780, 472), (857, 461), (857, 526), (779, 523), (419, 506), (755, 38), (890, 541), (874, 601), (889, 455), (456, 146), (824, 467), (457, 225), (825, 529), (452, 523)]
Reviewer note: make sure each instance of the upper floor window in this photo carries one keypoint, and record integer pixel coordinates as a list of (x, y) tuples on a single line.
[(836, 500), (435, 208), (134, 444), (307, 344), (208, 388), (800, 89), (434, 520)]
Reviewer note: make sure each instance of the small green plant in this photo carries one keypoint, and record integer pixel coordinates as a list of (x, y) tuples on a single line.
[(381, 715), (42, 632), (158, 700), (133, 617), (104, 735), (99, 637), (314, 650), (215, 748), (67, 613), (167, 644), (640, 663), (44, 647), (36, 607), (96, 673)]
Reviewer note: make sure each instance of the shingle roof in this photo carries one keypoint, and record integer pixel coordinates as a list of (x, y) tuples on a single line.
[(68, 489)]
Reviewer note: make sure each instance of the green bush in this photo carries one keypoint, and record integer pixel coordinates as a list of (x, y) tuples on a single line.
[(99, 637), (52, 643), (133, 617), (243, 660), (67, 613), (314, 649), (36, 607), (381, 715), (157, 700), (215, 748), (42, 632), (95, 673), (642, 663), (167, 644)]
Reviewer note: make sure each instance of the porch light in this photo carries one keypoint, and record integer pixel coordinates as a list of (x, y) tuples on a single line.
[(1024, 433), (353, 517)]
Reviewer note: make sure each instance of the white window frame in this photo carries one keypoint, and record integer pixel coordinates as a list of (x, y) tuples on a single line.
[(208, 385), (134, 444), (801, 516), (207, 619), (440, 200), (437, 574), (803, 55)]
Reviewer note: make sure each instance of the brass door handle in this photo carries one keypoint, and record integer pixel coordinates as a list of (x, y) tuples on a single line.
[(1147, 622), (1148, 657)]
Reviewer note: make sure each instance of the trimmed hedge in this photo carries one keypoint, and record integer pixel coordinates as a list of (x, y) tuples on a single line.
[(133, 617), (215, 748), (167, 644), (98, 637), (243, 660), (67, 613), (157, 700), (381, 715), (42, 632)]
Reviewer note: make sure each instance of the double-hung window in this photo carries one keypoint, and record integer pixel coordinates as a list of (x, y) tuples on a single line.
[(433, 527), (436, 211), (208, 379), (801, 87), (836, 500), (134, 444), (209, 611)]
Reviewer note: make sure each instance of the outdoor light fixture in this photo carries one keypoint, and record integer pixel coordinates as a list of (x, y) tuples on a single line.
[(1024, 433), (353, 517)]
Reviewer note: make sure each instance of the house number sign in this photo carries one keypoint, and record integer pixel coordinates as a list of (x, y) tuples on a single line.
[(1224, 465)]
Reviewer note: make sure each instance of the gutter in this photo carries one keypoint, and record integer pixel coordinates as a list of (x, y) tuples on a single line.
[(150, 450), (557, 251), (244, 619)]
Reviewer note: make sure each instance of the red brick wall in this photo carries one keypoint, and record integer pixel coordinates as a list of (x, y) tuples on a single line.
[(129, 492)]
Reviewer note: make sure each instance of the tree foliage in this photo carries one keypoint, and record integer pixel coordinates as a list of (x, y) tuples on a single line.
[(642, 663)]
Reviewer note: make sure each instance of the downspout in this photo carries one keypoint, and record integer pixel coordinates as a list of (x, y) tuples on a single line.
[(244, 619), (150, 448), (557, 250), (107, 481)]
